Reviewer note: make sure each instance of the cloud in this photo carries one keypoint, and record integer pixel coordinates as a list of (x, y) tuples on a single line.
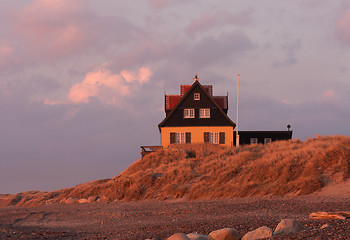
[(330, 93), (159, 3), (63, 145), (209, 21), (312, 3), (5, 51), (285, 101), (53, 28), (107, 87), (218, 50), (32, 88), (291, 50), (44, 32), (7, 55), (143, 75), (343, 28)]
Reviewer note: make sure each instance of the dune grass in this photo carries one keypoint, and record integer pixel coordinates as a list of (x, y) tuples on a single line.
[(211, 171), (204, 171)]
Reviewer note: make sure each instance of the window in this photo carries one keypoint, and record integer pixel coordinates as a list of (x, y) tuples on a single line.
[(196, 96), (267, 140), (189, 113), (204, 113), (253, 141), (214, 138), (180, 137)]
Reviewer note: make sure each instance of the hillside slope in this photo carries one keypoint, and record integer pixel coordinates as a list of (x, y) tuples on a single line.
[(212, 171)]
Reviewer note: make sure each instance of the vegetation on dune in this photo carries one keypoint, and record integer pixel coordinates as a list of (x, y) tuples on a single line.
[(213, 171)]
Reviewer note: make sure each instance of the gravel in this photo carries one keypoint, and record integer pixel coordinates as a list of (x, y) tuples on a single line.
[(161, 219)]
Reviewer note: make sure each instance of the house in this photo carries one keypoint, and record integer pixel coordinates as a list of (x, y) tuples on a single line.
[(196, 116), (264, 137)]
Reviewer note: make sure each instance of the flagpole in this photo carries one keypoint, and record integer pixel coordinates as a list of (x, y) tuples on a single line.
[(237, 136)]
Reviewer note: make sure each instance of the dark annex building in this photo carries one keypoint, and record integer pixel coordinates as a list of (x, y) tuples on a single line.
[(264, 137)]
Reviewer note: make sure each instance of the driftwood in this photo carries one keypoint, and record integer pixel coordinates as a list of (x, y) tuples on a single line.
[(329, 215)]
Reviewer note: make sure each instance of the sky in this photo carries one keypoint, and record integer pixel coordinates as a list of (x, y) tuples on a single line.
[(82, 82)]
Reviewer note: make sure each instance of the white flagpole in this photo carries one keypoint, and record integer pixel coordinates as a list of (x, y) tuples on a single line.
[(237, 136)]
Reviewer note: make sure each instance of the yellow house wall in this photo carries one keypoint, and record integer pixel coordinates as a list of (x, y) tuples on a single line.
[(197, 133)]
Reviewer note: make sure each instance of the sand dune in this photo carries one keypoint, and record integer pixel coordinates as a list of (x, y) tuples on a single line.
[(319, 165)]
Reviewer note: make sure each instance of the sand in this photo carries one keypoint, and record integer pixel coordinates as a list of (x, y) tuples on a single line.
[(160, 219)]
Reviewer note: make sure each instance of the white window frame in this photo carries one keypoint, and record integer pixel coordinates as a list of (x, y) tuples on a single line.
[(180, 137), (189, 113), (214, 137), (267, 140), (196, 96), (204, 113), (253, 140)]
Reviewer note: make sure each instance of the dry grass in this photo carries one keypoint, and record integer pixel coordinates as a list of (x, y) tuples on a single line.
[(212, 171)]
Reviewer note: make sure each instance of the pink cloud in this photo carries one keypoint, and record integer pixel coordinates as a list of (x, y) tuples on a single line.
[(285, 101), (206, 22), (53, 28), (159, 3), (52, 102), (45, 31), (343, 28), (7, 55), (142, 76), (5, 51), (109, 88), (330, 93)]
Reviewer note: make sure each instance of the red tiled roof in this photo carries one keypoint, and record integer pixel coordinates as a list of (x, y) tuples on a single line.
[(171, 101), (221, 101), (184, 89), (207, 88)]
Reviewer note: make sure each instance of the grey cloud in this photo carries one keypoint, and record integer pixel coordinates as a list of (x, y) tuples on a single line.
[(291, 49), (52, 39), (219, 19), (224, 49), (95, 142), (259, 112)]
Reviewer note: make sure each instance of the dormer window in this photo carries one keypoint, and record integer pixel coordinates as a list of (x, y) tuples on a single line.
[(196, 96), (189, 113)]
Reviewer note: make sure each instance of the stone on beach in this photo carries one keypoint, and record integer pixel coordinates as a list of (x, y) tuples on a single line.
[(329, 215), (262, 232), (93, 199), (324, 226), (83, 200), (70, 200), (288, 226), (225, 234), (178, 236), (197, 236)]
